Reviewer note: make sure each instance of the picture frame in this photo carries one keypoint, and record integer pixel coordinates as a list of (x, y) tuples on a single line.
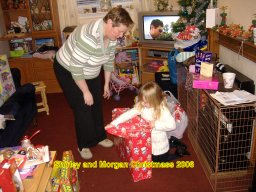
[(44, 41)]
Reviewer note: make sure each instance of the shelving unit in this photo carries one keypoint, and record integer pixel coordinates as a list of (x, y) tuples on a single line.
[(146, 57), (38, 23), (38, 19)]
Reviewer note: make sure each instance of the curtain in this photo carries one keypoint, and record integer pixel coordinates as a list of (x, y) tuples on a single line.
[(68, 12)]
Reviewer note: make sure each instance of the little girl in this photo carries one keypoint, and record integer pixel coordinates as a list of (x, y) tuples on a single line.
[(152, 107)]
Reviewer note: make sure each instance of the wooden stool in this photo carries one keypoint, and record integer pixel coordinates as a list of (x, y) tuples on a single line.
[(40, 88)]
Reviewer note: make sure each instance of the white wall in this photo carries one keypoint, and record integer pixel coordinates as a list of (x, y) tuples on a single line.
[(239, 12), (68, 12)]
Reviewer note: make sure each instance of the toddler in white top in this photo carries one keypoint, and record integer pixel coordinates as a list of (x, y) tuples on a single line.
[(152, 106)]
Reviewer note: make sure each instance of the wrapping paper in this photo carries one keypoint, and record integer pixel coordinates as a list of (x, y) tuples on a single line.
[(133, 144)]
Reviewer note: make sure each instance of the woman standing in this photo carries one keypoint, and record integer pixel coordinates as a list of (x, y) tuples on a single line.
[(77, 66)]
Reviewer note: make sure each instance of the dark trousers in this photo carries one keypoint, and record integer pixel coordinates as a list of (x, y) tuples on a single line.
[(89, 122), (161, 158)]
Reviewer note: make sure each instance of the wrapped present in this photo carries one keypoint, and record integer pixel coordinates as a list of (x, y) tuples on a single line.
[(64, 176), (202, 82), (133, 144), (130, 127)]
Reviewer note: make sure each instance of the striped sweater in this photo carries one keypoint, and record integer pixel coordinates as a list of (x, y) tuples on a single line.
[(83, 53)]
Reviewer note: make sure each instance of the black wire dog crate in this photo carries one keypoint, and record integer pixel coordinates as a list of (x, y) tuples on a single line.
[(224, 140)]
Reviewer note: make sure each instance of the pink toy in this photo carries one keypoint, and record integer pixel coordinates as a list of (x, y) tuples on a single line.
[(121, 57), (120, 81)]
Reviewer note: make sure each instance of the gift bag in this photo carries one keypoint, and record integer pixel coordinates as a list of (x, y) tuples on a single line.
[(172, 65), (133, 144), (179, 115)]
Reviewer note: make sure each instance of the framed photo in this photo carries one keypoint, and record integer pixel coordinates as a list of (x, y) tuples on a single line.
[(45, 41)]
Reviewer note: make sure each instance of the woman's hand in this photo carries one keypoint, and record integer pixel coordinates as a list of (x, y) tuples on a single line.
[(106, 93), (88, 99)]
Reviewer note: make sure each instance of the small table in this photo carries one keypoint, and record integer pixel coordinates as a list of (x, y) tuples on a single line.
[(40, 88), (40, 180)]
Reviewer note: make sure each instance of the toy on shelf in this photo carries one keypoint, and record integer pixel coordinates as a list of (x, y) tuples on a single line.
[(122, 79), (164, 67)]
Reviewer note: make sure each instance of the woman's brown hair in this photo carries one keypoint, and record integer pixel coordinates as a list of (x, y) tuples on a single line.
[(118, 15)]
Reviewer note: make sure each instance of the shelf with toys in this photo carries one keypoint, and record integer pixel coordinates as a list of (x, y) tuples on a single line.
[(29, 19), (126, 73), (127, 60), (152, 59), (29, 25)]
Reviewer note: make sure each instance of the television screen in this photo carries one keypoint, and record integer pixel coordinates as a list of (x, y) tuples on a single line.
[(156, 27), (162, 28)]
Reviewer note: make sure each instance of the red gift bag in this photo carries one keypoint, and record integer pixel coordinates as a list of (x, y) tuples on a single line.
[(9, 177), (133, 144)]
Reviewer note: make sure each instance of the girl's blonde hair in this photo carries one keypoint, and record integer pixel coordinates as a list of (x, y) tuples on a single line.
[(151, 93)]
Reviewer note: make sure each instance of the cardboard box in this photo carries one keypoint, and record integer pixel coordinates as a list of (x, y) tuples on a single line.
[(201, 82), (212, 17), (201, 56), (133, 144), (206, 69)]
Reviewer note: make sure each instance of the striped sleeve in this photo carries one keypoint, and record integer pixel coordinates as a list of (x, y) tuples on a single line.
[(83, 47), (83, 53), (109, 66)]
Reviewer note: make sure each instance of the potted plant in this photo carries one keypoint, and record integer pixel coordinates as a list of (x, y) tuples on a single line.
[(223, 15), (254, 29)]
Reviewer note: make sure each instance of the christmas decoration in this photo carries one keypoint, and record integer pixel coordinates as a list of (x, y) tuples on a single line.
[(192, 12), (162, 5), (190, 32), (235, 31)]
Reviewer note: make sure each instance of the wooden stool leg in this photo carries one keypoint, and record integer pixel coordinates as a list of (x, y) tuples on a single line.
[(44, 100), (41, 89)]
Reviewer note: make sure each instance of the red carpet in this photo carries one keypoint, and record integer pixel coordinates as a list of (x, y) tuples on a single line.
[(58, 132)]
